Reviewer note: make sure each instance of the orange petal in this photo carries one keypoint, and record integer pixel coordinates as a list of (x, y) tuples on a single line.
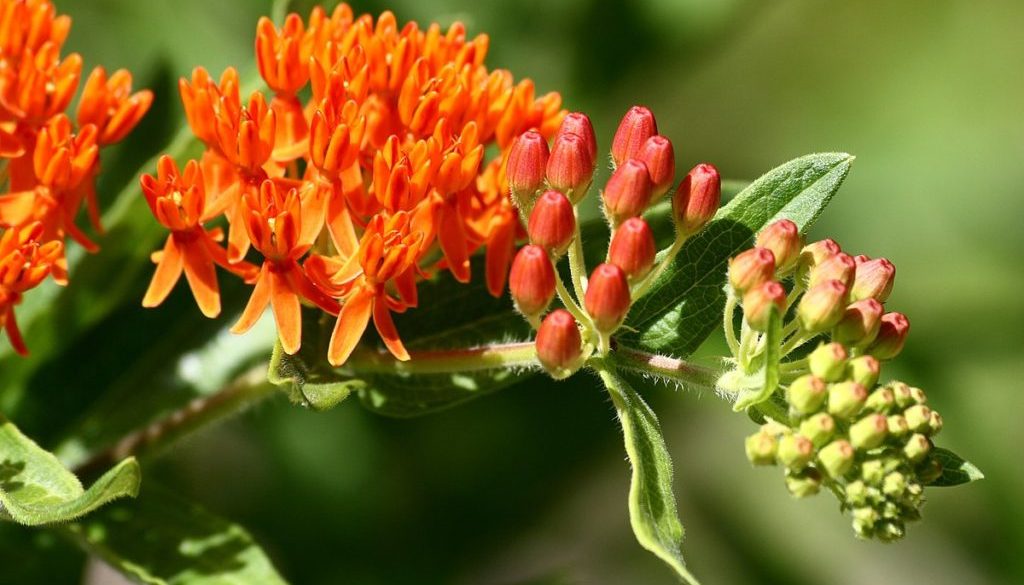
[(16, 208), (352, 322), (14, 334), (339, 223), (386, 328), (453, 243), (499, 252), (257, 302), (168, 271), (287, 312), (202, 277)]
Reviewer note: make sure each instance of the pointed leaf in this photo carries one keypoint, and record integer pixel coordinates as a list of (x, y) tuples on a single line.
[(955, 469)]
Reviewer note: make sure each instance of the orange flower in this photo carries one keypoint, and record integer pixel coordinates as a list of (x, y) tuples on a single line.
[(24, 263), (282, 226), (110, 105)]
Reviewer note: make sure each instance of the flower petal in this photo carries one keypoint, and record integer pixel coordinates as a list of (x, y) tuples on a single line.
[(352, 322), (287, 311), (388, 332), (202, 277), (168, 271), (257, 302)]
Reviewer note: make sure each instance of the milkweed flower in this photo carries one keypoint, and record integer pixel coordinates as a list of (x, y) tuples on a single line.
[(376, 157), (49, 163)]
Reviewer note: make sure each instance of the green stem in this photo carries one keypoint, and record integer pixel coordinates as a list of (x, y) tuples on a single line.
[(667, 368), (666, 260), (507, 355), (577, 263), (730, 329), (570, 303)]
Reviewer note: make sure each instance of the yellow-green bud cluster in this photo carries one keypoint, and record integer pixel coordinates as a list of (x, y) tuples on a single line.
[(869, 444)]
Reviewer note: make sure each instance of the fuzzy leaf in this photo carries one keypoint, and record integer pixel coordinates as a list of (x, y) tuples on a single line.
[(955, 469), (685, 304), (35, 489), (161, 539), (652, 504)]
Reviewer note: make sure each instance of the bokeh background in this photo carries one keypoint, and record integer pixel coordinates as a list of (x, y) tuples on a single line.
[(529, 485)]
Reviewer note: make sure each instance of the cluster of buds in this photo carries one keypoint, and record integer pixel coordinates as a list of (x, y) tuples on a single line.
[(49, 163), (364, 173), (548, 182), (869, 444)]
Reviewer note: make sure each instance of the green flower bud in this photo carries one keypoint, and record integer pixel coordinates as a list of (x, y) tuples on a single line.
[(804, 483), (935, 423), (846, 399), (795, 451), (872, 471), (828, 361), (894, 485), (864, 520), (806, 394), (818, 428), (864, 370), (822, 306), (919, 418), (898, 426), (889, 531), (917, 448), (869, 432), (881, 400), (761, 448), (918, 395), (837, 458), (901, 391), (856, 493)]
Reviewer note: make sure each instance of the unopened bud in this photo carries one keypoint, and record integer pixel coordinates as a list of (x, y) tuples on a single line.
[(864, 520), (873, 280), (807, 394), (579, 124), (761, 448), (869, 432), (846, 399), (828, 362), (873, 472), (865, 370), (836, 267), (696, 200), (559, 345), (527, 164), (918, 395), (917, 448), (628, 191), (919, 418), (860, 323), (837, 458), (607, 298), (856, 493), (570, 166), (881, 400), (935, 424), (751, 268), (819, 428), (804, 483), (552, 224), (660, 158), (898, 426), (817, 252), (532, 281), (892, 335), (633, 249), (783, 239), (822, 306), (904, 397), (759, 303), (894, 485), (795, 451), (635, 128)]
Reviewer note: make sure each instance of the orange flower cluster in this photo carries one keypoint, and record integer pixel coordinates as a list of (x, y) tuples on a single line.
[(353, 194), (48, 167)]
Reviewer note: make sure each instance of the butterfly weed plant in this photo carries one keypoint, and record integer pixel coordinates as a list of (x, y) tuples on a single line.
[(412, 221)]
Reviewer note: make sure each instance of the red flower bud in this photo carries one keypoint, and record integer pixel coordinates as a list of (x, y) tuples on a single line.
[(633, 248), (635, 128), (527, 162), (759, 302), (628, 191), (659, 156), (836, 267), (860, 323), (696, 199), (532, 280), (607, 298), (822, 306), (552, 223), (892, 334), (783, 239), (579, 124), (570, 166), (751, 268), (873, 279), (559, 345), (817, 252)]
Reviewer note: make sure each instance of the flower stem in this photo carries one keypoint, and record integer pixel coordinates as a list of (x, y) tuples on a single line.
[(490, 357), (668, 368), (666, 260), (577, 263)]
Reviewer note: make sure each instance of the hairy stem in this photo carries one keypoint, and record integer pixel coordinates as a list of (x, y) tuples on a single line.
[(577, 263), (667, 368), (490, 357)]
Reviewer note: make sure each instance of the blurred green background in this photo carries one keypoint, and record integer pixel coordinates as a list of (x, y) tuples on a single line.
[(529, 485)]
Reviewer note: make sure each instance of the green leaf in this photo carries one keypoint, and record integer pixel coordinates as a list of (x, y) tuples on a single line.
[(955, 469), (652, 504), (35, 489), (685, 304), (770, 371), (162, 539)]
